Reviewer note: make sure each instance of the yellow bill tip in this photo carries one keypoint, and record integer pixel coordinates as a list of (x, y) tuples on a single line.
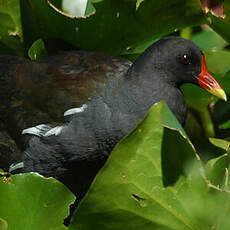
[(218, 93)]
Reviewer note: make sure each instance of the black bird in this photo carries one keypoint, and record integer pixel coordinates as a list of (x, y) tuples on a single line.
[(102, 99)]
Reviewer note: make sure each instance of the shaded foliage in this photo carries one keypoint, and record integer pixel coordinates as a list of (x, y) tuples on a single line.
[(154, 177)]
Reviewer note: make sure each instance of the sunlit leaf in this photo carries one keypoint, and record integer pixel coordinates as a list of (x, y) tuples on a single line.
[(30, 201), (131, 189)]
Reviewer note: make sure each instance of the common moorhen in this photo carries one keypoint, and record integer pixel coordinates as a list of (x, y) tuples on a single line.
[(101, 97)]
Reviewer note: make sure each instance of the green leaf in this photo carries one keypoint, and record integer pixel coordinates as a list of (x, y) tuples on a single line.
[(37, 50), (11, 36), (138, 3), (30, 201), (207, 204), (186, 33), (133, 53), (222, 202), (90, 8), (3, 224), (216, 170), (115, 26), (225, 125), (228, 175), (218, 62), (221, 109), (130, 189), (209, 40), (220, 143), (193, 127)]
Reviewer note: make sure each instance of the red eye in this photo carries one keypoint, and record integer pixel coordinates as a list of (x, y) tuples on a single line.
[(185, 60)]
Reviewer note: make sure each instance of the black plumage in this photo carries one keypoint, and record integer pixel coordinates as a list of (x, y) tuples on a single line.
[(108, 97)]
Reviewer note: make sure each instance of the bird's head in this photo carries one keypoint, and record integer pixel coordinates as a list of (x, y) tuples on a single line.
[(187, 64)]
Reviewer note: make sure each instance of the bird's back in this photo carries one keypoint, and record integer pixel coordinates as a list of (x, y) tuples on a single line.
[(73, 91)]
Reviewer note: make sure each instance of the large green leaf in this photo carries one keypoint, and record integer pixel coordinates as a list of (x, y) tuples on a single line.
[(30, 201), (139, 184), (142, 185), (115, 26)]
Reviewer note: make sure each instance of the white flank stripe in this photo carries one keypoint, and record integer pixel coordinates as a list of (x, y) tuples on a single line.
[(16, 166), (38, 130), (54, 131), (75, 110)]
